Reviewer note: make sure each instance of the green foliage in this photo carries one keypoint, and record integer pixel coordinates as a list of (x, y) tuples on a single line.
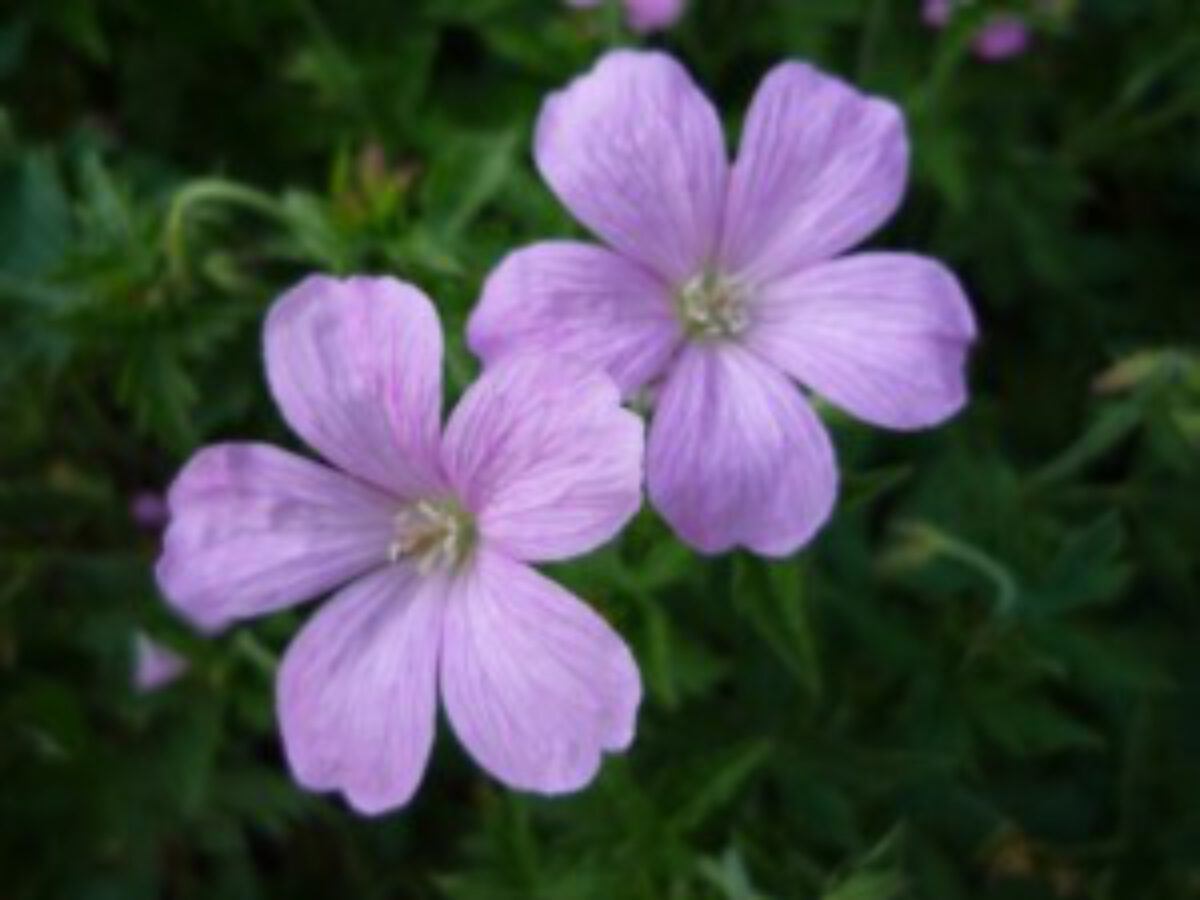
[(980, 682)]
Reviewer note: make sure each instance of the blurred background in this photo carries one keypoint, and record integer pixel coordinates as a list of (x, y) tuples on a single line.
[(981, 681)]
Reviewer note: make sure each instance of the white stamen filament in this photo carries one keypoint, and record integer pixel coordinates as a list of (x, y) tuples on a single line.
[(712, 306), (433, 534)]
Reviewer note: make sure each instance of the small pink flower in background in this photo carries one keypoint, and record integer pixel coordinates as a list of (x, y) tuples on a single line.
[(653, 15), (937, 12), (721, 284), (154, 665), (432, 531), (149, 510), (1002, 37), (644, 15)]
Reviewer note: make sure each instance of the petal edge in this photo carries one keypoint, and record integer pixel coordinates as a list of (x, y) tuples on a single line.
[(885, 336), (635, 150), (537, 686), (542, 452), (355, 366), (357, 691), (737, 457), (821, 167), (254, 529)]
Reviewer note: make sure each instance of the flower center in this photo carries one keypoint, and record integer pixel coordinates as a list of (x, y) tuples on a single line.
[(433, 534), (712, 306)]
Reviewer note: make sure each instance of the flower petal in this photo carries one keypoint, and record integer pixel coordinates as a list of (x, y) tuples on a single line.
[(635, 151), (536, 685), (542, 452), (357, 691), (583, 302), (821, 167), (355, 365), (155, 665), (254, 529), (737, 456), (882, 335)]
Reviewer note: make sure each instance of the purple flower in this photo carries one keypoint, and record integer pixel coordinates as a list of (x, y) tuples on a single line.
[(937, 12), (1002, 36), (432, 531), (645, 15), (721, 285), (148, 509), (154, 665)]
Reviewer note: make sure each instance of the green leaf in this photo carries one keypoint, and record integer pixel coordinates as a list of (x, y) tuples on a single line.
[(773, 598), (35, 216), (156, 386), (868, 886), (1087, 571), (1029, 724), (876, 875), (864, 488), (466, 175), (723, 780), (729, 876)]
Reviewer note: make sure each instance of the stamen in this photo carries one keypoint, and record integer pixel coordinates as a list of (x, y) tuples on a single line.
[(434, 534), (712, 306)]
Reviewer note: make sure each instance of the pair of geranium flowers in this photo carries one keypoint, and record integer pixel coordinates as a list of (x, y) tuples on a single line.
[(719, 286)]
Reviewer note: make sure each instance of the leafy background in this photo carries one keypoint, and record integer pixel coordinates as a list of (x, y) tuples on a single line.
[(981, 681)]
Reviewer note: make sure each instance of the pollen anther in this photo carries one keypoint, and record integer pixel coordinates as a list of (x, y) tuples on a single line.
[(433, 534), (712, 306)]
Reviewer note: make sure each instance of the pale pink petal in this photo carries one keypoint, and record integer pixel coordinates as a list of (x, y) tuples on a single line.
[(883, 335), (635, 151), (536, 685), (541, 451), (355, 365), (736, 455), (821, 167), (357, 691), (580, 301), (254, 529), (154, 665), (653, 15)]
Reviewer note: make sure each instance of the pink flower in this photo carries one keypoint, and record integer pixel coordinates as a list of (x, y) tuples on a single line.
[(1002, 37), (720, 285), (645, 15), (154, 665), (430, 531)]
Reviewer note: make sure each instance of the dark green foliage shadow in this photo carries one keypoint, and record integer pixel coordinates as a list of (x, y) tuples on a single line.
[(982, 681)]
